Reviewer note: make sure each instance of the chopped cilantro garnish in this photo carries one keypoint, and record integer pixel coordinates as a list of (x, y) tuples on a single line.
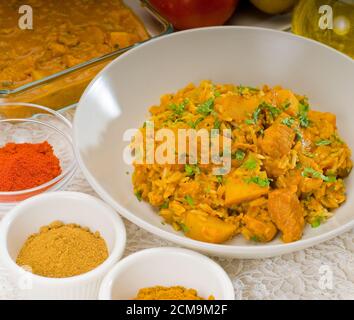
[(196, 122), (206, 107), (286, 105), (318, 175), (238, 155), (262, 182), (242, 90), (183, 227), (250, 164), (255, 238), (191, 170), (263, 106), (303, 113), (165, 205), (217, 94), (308, 154), (288, 121), (323, 142), (217, 123), (177, 108), (219, 178), (298, 134), (139, 195), (189, 200), (249, 121), (317, 222)]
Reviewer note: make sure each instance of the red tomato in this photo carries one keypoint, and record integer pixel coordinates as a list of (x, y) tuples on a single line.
[(186, 14)]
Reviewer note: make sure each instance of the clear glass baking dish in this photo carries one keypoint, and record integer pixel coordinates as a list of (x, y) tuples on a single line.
[(64, 89)]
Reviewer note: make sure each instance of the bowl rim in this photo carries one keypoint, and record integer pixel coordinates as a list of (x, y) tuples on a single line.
[(116, 253), (254, 251), (105, 292), (68, 137)]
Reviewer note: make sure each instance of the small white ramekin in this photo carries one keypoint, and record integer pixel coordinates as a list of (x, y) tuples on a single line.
[(68, 207), (166, 267)]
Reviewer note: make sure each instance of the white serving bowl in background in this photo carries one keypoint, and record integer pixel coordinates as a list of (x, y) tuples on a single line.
[(166, 267), (241, 55), (68, 207)]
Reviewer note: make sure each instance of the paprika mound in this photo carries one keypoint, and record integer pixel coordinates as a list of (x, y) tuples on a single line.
[(27, 165)]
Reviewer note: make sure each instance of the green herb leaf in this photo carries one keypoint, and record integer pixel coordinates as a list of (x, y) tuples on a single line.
[(217, 123), (178, 109), (195, 123), (323, 142), (220, 179), (288, 121), (317, 222), (206, 107), (165, 205), (238, 155), (189, 200), (255, 238), (139, 195), (298, 134), (318, 175), (184, 228), (262, 182), (250, 164), (303, 113), (286, 105), (242, 90), (249, 121), (191, 170)]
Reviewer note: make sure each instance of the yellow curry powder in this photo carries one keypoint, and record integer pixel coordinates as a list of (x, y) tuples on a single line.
[(169, 293), (63, 250)]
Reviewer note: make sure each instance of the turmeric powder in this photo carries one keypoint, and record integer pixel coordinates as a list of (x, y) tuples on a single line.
[(63, 250), (169, 293)]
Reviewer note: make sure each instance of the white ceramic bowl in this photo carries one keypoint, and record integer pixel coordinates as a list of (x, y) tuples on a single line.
[(166, 267), (119, 98), (68, 207)]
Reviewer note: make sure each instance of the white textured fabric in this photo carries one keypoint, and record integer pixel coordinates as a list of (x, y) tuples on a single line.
[(325, 271)]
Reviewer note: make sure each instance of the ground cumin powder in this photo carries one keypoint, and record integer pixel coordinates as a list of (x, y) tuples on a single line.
[(169, 293), (63, 250)]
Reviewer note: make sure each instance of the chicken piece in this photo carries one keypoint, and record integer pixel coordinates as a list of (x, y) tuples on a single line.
[(238, 190), (259, 230), (234, 107), (203, 227), (287, 214), (277, 140)]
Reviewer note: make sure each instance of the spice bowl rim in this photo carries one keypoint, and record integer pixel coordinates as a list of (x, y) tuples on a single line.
[(115, 254), (66, 174), (107, 284)]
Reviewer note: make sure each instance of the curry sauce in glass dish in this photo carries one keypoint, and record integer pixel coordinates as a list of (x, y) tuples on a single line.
[(71, 41), (64, 34)]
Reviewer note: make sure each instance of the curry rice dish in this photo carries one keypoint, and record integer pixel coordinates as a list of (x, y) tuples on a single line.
[(288, 165)]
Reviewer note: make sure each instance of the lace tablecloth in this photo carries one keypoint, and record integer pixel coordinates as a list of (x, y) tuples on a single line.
[(325, 271)]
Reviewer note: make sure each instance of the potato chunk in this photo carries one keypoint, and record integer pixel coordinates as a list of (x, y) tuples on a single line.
[(287, 213), (202, 227), (238, 190), (234, 107)]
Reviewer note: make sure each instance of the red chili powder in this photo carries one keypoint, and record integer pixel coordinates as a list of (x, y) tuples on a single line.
[(27, 165)]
